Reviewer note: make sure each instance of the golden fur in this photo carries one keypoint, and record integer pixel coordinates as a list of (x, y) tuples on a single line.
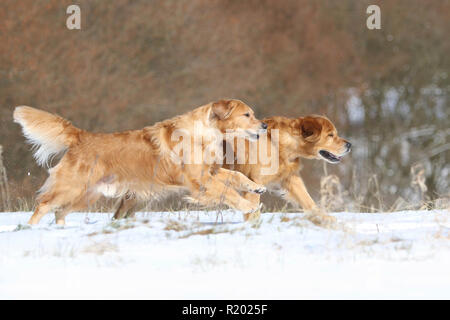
[(133, 164), (298, 138)]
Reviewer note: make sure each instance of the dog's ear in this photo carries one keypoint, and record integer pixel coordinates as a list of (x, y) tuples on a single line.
[(310, 128), (222, 109)]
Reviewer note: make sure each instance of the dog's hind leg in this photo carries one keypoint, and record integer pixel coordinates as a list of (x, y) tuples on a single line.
[(60, 216), (45, 202), (64, 201), (126, 207), (82, 201), (41, 210)]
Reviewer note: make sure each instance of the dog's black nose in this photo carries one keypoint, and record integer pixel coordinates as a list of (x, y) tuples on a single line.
[(348, 145), (264, 125)]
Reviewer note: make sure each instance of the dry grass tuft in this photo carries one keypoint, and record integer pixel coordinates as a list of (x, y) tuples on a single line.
[(418, 178), (331, 196), (174, 225), (100, 248), (317, 217), (187, 230), (22, 227), (322, 219), (121, 225), (4, 189), (210, 231)]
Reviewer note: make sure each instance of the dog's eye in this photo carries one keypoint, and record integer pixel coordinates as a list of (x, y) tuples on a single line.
[(247, 114), (331, 135)]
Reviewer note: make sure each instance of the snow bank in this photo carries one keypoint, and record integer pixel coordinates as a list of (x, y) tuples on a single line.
[(212, 255)]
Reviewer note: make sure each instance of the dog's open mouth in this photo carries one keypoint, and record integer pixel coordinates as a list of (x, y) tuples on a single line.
[(329, 156)]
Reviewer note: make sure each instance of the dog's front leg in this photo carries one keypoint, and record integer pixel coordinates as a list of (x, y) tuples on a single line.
[(297, 191), (209, 190), (239, 181), (254, 198)]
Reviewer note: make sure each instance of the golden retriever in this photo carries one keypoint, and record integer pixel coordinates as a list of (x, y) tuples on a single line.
[(278, 166), (311, 137), (138, 164)]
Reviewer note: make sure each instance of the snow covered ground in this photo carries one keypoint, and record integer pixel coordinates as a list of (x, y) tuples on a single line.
[(207, 255)]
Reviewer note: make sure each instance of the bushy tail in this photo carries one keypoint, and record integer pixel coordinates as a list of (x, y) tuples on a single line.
[(48, 133)]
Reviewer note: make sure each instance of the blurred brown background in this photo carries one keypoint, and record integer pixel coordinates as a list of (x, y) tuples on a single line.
[(135, 62)]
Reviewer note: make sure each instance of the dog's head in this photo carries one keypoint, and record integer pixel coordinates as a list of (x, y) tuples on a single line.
[(320, 139), (236, 115)]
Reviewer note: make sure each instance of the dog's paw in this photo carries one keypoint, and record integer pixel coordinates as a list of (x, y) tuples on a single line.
[(248, 207), (322, 221), (259, 190), (321, 218), (254, 215)]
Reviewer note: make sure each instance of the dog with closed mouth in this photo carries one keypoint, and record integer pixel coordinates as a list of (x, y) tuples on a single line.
[(135, 164), (310, 137)]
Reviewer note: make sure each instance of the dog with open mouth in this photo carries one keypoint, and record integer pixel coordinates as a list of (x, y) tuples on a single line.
[(138, 164), (310, 137)]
